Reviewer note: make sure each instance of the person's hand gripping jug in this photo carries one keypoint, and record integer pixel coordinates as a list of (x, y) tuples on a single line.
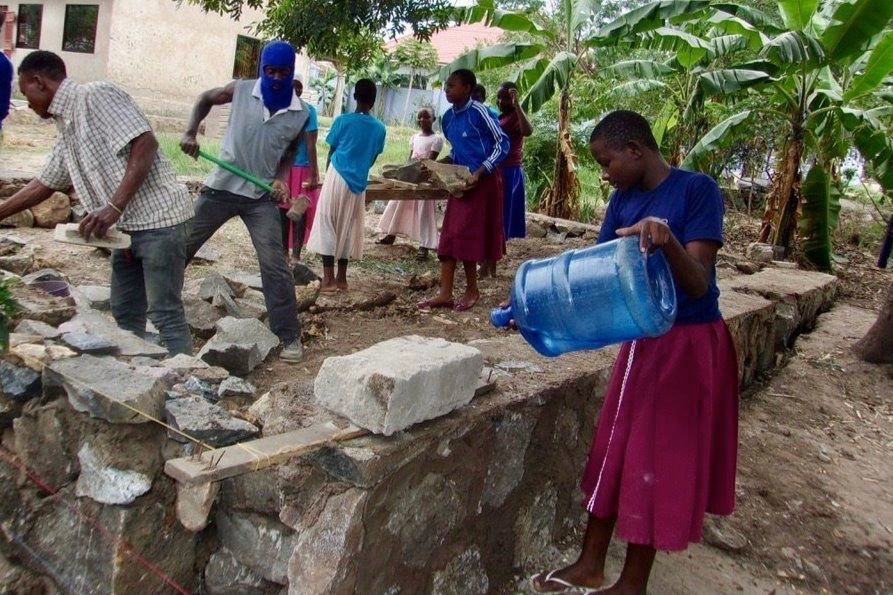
[(589, 298)]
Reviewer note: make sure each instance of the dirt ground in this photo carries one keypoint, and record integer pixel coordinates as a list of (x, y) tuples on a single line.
[(815, 506)]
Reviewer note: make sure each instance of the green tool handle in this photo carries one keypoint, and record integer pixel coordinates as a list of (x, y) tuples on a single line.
[(235, 170)]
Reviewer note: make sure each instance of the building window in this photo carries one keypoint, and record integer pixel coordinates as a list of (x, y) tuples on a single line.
[(247, 57), (28, 33), (79, 32)]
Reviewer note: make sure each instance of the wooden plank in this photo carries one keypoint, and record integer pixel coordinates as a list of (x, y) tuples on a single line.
[(229, 461), (253, 455), (381, 193)]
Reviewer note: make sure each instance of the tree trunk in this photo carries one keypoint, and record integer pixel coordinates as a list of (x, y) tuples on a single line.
[(780, 216), (562, 199), (406, 103), (337, 100), (877, 344)]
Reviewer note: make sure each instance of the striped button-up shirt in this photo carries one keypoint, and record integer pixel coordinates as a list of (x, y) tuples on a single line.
[(475, 136), (96, 123)]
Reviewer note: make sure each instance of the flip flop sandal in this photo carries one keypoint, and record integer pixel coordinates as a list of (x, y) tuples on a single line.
[(463, 306), (431, 304), (566, 587)]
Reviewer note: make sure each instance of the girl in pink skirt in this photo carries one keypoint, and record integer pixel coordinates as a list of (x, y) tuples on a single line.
[(303, 181), (665, 447)]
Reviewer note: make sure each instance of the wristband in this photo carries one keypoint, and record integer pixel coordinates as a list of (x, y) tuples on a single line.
[(117, 210)]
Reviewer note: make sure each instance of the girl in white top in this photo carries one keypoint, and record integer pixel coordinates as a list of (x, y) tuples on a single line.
[(415, 218)]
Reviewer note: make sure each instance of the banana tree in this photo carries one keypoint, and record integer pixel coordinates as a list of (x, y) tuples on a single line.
[(827, 61), (545, 66), (559, 47), (696, 70)]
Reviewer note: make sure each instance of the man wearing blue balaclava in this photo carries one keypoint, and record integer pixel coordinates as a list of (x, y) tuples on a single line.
[(266, 123)]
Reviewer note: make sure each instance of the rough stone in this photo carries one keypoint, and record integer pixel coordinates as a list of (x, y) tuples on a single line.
[(239, 345), (751, 322), (21, 219), (37, 357), (224, 575), (463, 575), (211, 374), (534, 527), (194, 504), (98, 558), (130, 345), (89, 343), (758, 252), (54, 210), (41, 306), (397, 383), (36, 327), (262, 544), (201, 316), (99, 296), (241, 278), (184, 362), (108, 484), (9, 411), (506, 467), (18, 384), (212, 285), (535, 230), (206, 254), (324, 559), (16, 339), (18, 264), (251, 308), (224, 301), (303, 275), (235, 387), (47, 443), (419, 527), (103, 386), (200, 388), (207, 422), (720, 534), (168, 376), (261, 410)]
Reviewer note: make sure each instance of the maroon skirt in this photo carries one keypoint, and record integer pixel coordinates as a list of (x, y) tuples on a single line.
[(472, 225), (666, 443)]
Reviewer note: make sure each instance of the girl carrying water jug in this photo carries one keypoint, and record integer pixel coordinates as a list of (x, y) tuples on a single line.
[(665, 446)]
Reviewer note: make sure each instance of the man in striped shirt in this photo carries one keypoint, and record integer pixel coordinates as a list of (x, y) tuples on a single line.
[(106, 150)]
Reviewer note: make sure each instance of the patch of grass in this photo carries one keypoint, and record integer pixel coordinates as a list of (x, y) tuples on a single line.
[(185, 165), (593, 197), (396, 147)]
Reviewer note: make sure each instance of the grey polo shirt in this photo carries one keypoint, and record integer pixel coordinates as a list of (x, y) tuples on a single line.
[(255, 140)]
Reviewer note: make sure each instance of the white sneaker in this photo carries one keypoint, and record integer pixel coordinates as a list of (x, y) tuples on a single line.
[(293, 352)]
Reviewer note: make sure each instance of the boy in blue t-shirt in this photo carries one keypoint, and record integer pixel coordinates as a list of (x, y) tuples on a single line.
[(664, 450), (355, 141)]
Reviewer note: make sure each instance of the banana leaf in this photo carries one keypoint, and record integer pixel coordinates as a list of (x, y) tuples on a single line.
[(794, 47), (878, 66), (797, 14), (718, 137), (815, 222), (646, 18), (554, 77), (643, 69), (853, 26), (731, 80), (752, 16), (493, 56)]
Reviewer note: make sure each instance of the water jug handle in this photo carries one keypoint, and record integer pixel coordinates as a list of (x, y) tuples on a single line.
[(501, 317)]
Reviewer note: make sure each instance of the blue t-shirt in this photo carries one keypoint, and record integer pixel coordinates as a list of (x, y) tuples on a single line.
[(301, 157), (693, 207), (356, 140), (5, 86), (475, 136)]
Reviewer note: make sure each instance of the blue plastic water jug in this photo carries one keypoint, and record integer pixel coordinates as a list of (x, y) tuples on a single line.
[(589, 298)]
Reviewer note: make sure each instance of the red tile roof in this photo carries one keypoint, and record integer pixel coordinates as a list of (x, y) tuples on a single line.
[(454, 41)]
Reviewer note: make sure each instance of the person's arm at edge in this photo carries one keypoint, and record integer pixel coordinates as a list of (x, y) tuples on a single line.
[(311, 138), (207, 100), (32, 194)]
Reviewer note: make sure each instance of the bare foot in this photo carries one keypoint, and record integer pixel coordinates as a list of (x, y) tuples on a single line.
[(439, 301), (328, 288), (572, 574), (341, 285)]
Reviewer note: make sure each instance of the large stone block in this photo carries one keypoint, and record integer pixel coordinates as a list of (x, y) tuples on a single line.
[(46, 441), (106, 483), (97, 549), (325, 557), (97, 324), (506, 468), (107, 389), (54, 210), (36, 304), (204, 421), (224, 575), (397, 383), (18, 383), (239, 345), (464, 575), (262, 544)]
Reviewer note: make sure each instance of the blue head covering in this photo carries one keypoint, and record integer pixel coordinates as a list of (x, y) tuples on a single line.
[(277, 93)]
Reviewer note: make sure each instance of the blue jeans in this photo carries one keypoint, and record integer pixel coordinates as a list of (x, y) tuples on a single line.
[(147, 280), (261, 216)]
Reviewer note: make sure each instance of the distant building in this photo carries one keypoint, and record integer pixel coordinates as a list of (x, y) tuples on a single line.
[(163, 53), (453, 42)]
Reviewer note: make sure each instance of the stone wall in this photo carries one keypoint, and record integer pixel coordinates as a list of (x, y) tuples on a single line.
[(454, 505)]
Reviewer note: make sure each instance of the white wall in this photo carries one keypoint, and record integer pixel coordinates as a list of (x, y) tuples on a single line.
[(84, 67)]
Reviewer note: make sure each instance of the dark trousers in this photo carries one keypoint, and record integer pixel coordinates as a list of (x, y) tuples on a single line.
[(147, 281), (261, 217), (292, 230)]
